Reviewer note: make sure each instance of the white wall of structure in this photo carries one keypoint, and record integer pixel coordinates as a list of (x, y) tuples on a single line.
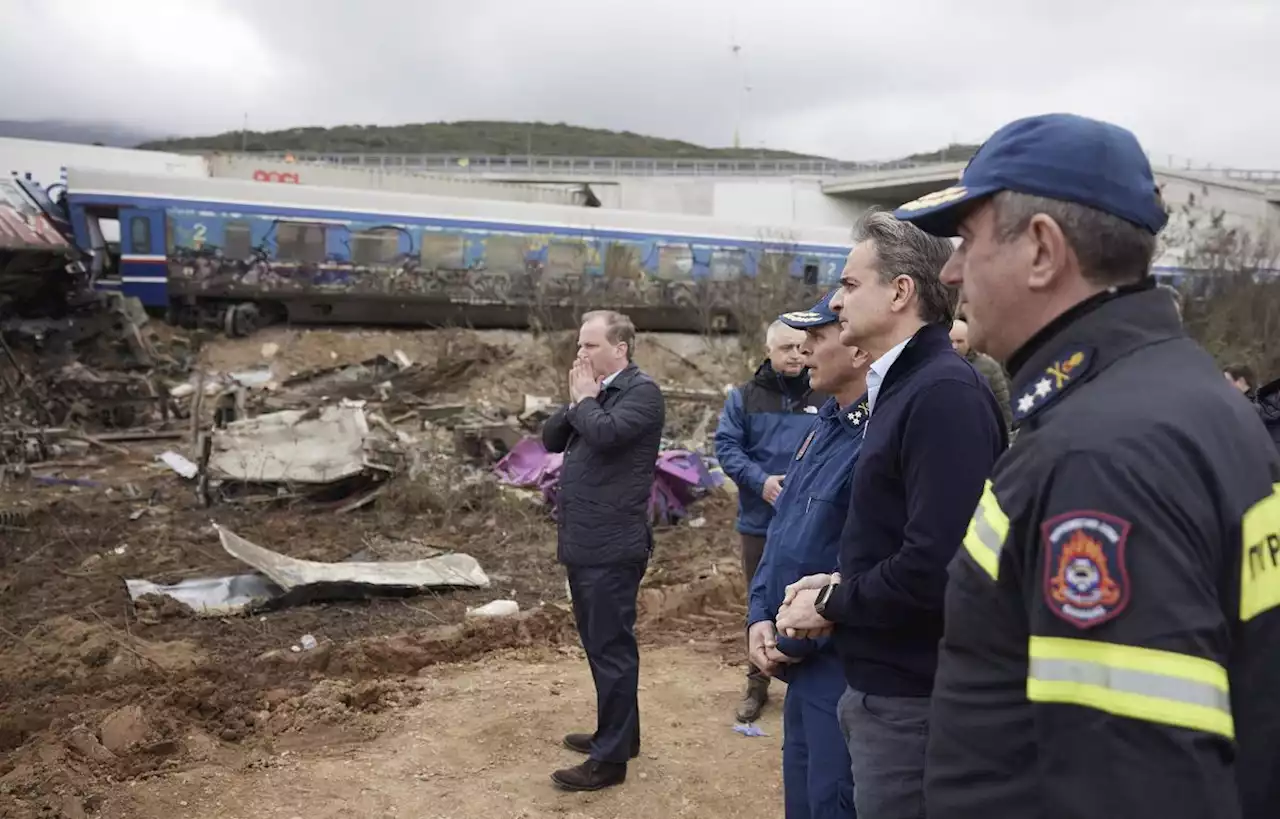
[(775, 201), (1195, 196), (278, 171), (47, 161)]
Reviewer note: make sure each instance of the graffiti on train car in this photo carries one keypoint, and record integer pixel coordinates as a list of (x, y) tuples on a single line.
[(260, 258), (534, 285)]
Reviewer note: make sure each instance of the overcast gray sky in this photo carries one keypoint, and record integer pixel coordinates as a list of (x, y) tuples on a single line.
[(855, 79)]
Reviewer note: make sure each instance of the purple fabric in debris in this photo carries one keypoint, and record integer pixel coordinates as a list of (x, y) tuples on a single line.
[(680, 477)]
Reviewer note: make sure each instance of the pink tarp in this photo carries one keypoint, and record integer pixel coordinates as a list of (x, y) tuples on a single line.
[(681, 477)]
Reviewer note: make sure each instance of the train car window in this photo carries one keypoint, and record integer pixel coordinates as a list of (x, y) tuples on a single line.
[(377, 246), (504, 252), (727, 264), (811, 273), (675, 261), (298, 242), (236, 241), (140, 234), (443, 251), (566, 258)]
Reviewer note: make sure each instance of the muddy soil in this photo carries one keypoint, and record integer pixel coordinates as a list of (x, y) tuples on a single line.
[(481, 742), (95, 691)]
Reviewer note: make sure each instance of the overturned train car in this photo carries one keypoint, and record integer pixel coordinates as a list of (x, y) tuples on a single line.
[(40, 273), (237, 254)]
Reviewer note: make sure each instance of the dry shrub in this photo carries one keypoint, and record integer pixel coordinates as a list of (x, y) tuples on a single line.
[(446, 495), (1233, 305), (749, 305), (1239, 323), (440, 491)]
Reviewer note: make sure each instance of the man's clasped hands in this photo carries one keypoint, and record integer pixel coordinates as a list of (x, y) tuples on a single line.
[(796, 619)]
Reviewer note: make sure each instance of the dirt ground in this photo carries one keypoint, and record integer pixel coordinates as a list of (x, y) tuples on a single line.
[(111, 709), (483, 740)]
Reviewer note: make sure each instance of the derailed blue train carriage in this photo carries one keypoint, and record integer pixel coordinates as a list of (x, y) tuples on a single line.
[(236, 254)]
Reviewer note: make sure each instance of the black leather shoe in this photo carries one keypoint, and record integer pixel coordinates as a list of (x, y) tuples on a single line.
[(582, 744), (591, 776)]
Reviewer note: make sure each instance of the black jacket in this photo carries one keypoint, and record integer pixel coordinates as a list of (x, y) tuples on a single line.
[(610, 447), (1268, 403), (1112, 643)]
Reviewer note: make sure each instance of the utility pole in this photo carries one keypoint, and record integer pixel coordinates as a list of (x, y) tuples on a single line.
[(244, 134)]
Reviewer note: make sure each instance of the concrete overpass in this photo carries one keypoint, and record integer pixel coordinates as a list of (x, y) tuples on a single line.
[(847, 184), (890, 188)]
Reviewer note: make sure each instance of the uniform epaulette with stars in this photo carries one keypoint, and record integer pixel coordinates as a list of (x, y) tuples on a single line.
[(857, 415), (1039, 392)]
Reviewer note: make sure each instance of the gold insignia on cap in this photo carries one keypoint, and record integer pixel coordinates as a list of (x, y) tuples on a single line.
[(932, 200)]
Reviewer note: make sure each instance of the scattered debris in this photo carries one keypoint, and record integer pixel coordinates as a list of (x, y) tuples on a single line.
[(212, 677), (749, 729), (496, 608), (326, 579), (305, 448), (286, 581), (212, 596), (179, 464)]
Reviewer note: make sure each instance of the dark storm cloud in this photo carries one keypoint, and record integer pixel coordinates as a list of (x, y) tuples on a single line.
[(856, 80)]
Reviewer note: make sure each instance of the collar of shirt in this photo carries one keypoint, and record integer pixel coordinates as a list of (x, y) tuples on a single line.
[(880, 369), (608, 379)]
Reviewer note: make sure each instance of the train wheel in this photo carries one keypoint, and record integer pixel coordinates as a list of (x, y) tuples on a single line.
[(241, 320)]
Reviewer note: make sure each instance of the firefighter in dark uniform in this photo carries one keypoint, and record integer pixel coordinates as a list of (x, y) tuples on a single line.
[(1112, 640)]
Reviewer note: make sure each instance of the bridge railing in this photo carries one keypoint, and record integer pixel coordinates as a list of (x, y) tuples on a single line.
[(586, 166), (592, 165)]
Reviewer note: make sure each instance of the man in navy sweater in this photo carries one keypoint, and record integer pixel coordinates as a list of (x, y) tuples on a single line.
[(934, 433)]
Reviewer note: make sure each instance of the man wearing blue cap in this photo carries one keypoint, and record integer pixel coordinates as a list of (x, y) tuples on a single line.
[(1112, 643), (762, 424), (803, 539), (934, 433)]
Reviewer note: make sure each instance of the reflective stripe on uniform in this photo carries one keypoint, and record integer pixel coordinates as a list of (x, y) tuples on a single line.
[(1260, 563), (988, 528), (1127, 681)]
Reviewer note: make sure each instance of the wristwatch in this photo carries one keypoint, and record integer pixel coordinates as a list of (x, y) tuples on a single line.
[(820, 602)]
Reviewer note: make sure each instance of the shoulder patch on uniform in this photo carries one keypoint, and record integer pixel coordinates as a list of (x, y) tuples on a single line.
[(1086, 581), (1044, 387)]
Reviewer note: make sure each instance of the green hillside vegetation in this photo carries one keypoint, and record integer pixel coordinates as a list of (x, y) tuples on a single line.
[(499, 138), (955, 152)]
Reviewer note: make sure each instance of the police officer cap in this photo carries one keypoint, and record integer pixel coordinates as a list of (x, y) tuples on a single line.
[(816, 316), (1057, 156)]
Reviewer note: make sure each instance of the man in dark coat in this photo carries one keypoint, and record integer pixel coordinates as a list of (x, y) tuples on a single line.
[(609, 434)]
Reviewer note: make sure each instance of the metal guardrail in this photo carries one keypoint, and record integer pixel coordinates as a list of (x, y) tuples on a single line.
[(522, 165), (594, 166), (1265, 177)]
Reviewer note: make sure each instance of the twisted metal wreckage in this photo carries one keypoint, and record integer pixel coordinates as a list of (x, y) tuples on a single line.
[(70, 359)]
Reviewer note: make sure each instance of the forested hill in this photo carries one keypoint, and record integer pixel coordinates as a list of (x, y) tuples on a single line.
[(501, 138)]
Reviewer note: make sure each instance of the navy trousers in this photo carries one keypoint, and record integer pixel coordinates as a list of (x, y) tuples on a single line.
[(604, 605), (816, 778)]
